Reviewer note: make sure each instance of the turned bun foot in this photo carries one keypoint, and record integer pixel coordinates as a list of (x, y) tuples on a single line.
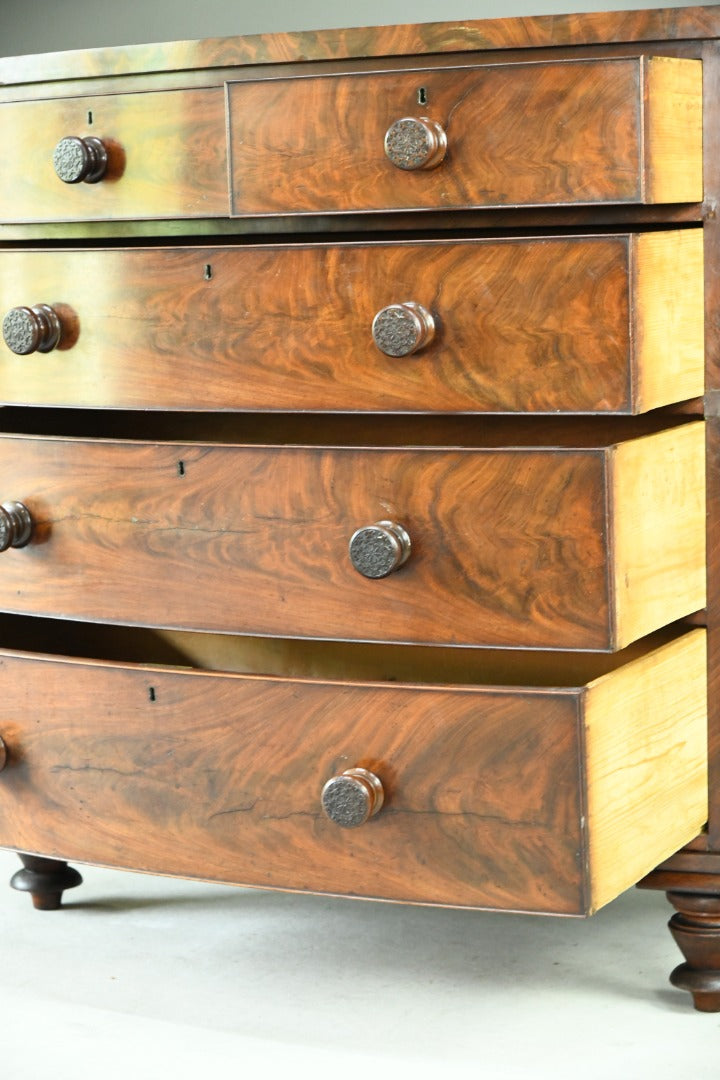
[(46, 880), (696, 930)]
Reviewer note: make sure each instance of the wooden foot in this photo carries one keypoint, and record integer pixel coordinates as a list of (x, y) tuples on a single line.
[(696, 930), (45, 880)]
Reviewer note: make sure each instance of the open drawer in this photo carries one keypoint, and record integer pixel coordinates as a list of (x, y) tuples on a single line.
[(537, 783), (620, 130), (589, 543), (535, 324), (160, 154)]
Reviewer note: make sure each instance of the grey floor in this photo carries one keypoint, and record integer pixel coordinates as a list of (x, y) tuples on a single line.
[(143, 977)]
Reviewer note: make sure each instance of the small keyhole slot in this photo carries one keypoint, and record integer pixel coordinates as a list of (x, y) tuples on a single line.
[(181, 468), (151, 693), (90, 119), (422, 96), (208, 272)]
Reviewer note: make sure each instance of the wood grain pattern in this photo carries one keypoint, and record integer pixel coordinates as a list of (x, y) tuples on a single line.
[(511, 547), (577, 137), (470, 35), (613, 850), (668, 306), (535, 325), (690, 866), (711, 143), (655, 569), (649, 776), (224, 773), (167, 155), (673, 130)]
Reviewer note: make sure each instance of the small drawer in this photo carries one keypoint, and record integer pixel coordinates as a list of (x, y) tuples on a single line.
[(572, 546), (575, 324), (552, 133), (166, 157), (536, 797)]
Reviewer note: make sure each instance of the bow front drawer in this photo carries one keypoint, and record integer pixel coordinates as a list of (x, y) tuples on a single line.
[(573, 324), (161, 154), (564, 133), (527, 546), (527, 797)]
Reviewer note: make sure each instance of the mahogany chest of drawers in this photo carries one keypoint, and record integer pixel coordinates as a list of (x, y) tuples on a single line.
[(359, 457)]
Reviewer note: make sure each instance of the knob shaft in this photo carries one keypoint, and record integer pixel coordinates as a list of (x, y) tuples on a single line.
[(415, 143), (376, 550), (403, 329), (32, 329), (352, 798), (79, 160), (15, 525)]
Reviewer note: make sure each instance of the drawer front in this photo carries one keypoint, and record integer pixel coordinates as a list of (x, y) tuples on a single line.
[(581, 324), (572, 132), (526, 547), (166, 157), (492, 798)]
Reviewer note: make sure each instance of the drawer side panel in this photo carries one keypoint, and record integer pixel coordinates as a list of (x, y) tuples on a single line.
[(646, 745), (657, 494)]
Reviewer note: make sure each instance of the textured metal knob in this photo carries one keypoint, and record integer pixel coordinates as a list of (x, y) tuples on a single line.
[(415, 143), (31, 329), (3, 755), (15, 525), (353, 797), (376, 550), (403, 329), (79, 160)]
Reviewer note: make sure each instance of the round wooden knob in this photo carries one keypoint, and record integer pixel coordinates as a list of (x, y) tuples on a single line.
[(403, 329), (15, 525), (3, 755), (376, 550), (79, 160), (415, 143), (31, 329), (353, 797)]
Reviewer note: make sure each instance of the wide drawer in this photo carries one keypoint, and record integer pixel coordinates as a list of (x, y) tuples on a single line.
[(534, 798), (578, 324), (166, 151), (576, 547), (570, 132)]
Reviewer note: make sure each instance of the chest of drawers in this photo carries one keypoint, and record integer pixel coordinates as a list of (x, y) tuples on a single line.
[(359, 448)]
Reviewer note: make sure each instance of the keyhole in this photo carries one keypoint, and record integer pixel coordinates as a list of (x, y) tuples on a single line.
[(207, 272), (90, 119), (422, 96), (181, 468)]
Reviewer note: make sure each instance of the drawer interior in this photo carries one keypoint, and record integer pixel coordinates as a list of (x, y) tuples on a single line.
[(308, 429), (300, 658)]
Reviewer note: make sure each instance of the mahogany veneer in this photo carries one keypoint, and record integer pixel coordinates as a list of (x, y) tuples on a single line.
[(581, 132), (546, 548), (609, 324), (167, 157), (219, 775), (560, 248)]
